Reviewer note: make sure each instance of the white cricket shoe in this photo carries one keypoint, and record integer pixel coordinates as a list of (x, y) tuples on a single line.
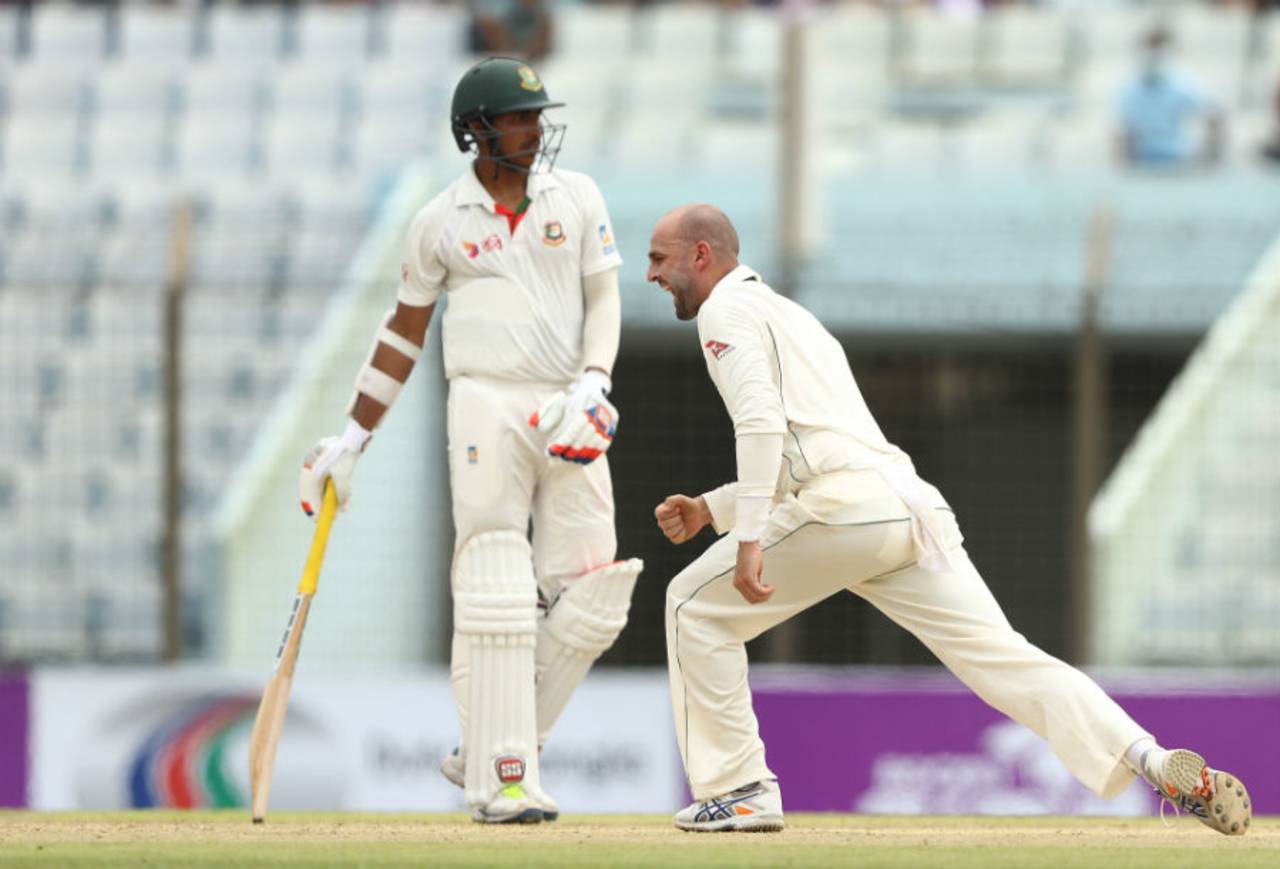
[(454, 768), (512, 805), (550, 808), (1217, 798), (756, 807)]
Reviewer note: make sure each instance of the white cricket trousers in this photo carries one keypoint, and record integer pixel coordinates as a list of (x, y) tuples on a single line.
[(503, 480), (849, 531)]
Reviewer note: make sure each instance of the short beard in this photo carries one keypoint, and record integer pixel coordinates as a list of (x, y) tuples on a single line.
[(679, 284)]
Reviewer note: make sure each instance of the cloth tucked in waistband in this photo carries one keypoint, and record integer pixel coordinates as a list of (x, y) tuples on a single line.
[(926, 525)]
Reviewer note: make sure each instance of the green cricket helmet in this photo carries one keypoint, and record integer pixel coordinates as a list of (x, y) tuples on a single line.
[(498, 86)]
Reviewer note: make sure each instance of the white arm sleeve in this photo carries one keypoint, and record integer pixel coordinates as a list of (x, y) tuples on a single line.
[(723, 504), (759, 461), (601, 321)]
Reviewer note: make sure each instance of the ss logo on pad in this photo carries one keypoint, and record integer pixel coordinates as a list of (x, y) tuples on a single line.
[(510, 769)]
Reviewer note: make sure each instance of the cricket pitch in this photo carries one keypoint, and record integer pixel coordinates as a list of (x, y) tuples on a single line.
[(227, 838)]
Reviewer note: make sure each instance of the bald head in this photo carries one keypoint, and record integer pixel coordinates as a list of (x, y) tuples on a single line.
[(692, 248), (702, 222)]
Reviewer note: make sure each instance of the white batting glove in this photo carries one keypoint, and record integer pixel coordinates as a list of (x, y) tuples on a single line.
[(579, 422), (335, 459)]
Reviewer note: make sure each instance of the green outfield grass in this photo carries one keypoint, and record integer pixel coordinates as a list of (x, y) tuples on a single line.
[(226, 838)]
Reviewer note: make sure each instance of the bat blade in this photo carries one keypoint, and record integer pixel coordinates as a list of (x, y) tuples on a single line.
[(269, 722)]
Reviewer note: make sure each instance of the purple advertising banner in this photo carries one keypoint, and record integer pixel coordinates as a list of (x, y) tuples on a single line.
[(908, 743), (13, 740)]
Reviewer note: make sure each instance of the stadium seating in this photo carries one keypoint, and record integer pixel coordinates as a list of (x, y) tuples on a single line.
[(282, 125)]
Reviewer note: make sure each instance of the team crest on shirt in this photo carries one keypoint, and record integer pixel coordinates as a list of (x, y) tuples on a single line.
[(553, 233), (529, 79), (493, 242), (718, 348), (606, 238)]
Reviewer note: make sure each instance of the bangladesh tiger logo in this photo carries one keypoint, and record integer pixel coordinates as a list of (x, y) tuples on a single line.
[(553, 233), (529, 79)]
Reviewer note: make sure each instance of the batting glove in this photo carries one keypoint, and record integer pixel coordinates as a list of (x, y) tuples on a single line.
[(335, 459), (580, 422)]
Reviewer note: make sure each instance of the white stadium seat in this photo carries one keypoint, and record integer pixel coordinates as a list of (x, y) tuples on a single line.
[(38, 89), (596, 33), (157, 35), (422, 37), (251, 35), (42, 148), (334, 34), (68, 34)]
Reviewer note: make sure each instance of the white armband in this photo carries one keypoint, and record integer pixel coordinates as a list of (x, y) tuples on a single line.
[(759, 460), (374, 382), (378, 385), (399, 343)]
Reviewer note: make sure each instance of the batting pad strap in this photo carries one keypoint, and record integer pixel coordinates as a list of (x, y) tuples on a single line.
[(496, 613), (399, 343), (378, 385)]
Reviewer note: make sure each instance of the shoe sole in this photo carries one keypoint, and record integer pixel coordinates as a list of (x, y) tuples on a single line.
[(1226, 805), (765, 824), (528, 816)]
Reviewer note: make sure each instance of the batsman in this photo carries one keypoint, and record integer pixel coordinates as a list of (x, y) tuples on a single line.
[(524, 254)]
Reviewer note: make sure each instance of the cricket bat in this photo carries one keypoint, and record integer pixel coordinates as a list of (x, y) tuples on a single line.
[(275, 697)]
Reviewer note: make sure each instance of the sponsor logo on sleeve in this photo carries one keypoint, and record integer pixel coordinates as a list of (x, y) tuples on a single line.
[(718, 348), (606, 239), (473, 455), (404, 273)]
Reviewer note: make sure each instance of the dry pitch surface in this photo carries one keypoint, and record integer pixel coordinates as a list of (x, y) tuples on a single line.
[(312, 839)]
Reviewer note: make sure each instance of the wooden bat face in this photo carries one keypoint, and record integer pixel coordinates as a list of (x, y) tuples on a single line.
[(269, 721)]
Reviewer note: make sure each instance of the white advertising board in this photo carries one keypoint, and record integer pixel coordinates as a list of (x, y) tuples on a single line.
[(111, 739)]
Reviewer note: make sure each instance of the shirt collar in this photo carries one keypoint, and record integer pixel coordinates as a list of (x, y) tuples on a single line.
[(737, 276), (472, 192)]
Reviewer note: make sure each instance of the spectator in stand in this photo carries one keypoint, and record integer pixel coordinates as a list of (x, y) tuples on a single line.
[(517, 28), (1158, 111)]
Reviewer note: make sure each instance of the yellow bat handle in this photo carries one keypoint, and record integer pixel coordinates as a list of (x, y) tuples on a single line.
[(311, 573)]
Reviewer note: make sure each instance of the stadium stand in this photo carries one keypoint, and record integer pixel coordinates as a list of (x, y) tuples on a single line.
[(284, 126)]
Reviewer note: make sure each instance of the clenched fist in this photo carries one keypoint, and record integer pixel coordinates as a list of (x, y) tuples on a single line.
[(681, 517)]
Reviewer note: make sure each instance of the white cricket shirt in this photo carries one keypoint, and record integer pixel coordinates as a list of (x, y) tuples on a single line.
[(780, 372), (514, 297)]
